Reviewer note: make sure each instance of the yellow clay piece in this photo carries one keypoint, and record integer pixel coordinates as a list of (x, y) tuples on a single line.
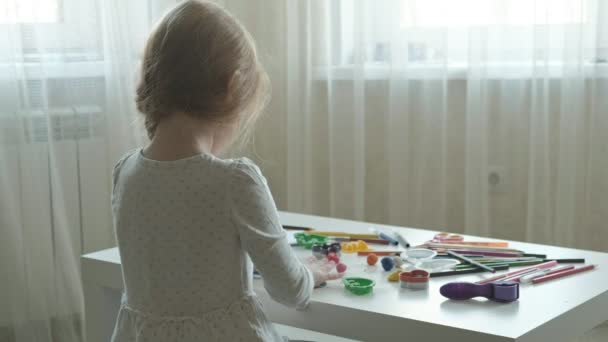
[(394, 276), (354, 246)]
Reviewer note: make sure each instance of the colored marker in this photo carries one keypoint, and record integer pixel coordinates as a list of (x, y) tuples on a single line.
[(466, 271), (388, 238), (545, 265), (524, 279), (384, 235), (402, 241), (562, 274), (470, 261)]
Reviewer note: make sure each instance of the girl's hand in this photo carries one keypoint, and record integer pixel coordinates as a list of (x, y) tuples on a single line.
[(322, 270)]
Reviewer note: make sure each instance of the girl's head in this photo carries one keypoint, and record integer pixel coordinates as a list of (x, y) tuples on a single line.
[(201, 62)]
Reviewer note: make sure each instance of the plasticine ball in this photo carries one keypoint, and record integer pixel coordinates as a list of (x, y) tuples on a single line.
[(388, 263), (372, 259), (398, 261), (340, 268), (361, 245), (394, 276), (333, 257), (317, 251)]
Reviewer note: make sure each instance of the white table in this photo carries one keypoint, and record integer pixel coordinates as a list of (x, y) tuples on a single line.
[(554, 311)]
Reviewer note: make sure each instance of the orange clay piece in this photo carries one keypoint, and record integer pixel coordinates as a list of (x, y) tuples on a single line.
[(372, 259), (354, 246)]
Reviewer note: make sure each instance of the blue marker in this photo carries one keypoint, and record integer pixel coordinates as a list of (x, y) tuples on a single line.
[(387, 237)]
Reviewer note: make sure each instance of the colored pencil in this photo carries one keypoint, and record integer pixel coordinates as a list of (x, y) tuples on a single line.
[(545, 265), (375, 241), (515, 278), (343, 234), (488, 254), (510, 263), (296, 228), (470, 261), (562, 274), (476, 243), (465, 271), (539, 273), (365, 253), (540, 256), (472, 248), (568, 261)]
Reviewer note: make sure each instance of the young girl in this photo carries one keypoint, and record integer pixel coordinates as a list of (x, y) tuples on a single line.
[(188, 223)]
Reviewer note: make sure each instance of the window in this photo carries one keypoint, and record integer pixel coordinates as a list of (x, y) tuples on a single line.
[(511, 34), (471, 13), (29, 11)]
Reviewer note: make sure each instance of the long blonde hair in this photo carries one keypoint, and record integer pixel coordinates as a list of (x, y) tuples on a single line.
[(201, 61)]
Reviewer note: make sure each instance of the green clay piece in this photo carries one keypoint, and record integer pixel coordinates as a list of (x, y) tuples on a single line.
[(359, 286), (309, 240)]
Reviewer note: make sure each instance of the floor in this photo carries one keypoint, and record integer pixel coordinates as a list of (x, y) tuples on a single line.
[(307, 335), (599, 334)]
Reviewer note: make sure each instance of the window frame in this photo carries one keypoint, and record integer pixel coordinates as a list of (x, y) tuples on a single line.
[(453, 70)]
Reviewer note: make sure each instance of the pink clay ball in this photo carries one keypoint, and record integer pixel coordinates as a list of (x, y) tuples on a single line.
[(341, 268), (333, 257)]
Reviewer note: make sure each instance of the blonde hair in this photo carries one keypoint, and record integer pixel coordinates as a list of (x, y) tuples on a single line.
[(201, 61)]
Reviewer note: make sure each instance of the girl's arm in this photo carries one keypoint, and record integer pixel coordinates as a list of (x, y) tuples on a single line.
[(255, 216)]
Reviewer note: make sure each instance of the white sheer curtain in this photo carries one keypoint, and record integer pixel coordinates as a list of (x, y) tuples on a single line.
[(484, 116), (487, 117), (67, 70)]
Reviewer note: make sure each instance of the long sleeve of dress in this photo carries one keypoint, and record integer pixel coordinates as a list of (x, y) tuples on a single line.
[(255, 215)]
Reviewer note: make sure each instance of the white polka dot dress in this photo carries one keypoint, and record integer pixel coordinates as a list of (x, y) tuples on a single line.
[(187, 232)]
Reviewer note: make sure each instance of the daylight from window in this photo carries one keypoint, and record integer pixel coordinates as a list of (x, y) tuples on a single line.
[(29, 11)]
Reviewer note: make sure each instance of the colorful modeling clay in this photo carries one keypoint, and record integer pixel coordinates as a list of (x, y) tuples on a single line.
[(388, 263), (309, 240), (354, 246), (320, 251), (398, 261), (333, 257), (341, 268), (372, 259), (317, 251), (394, 276)]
